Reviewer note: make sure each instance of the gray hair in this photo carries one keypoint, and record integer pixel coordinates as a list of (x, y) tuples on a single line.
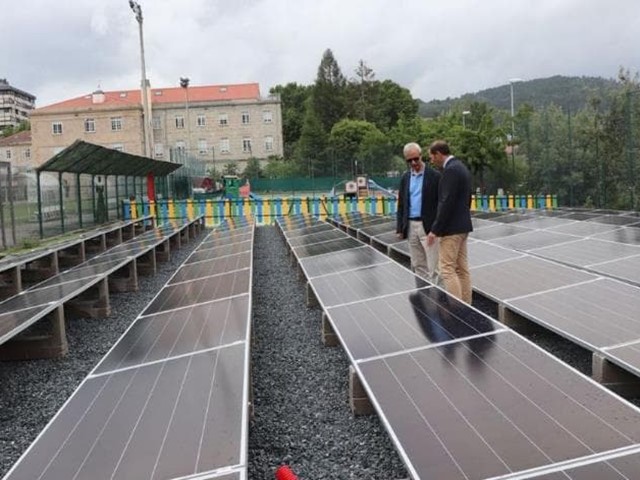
[(411, 146)]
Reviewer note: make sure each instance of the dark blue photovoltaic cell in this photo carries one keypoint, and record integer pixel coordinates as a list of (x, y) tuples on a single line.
[(341, 261), (326, 247), (625, 467)]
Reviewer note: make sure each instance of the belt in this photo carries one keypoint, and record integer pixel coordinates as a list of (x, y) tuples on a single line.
[(415, 219)]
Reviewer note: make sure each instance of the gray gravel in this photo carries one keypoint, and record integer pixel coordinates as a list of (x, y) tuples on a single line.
[(302, 414), (31, 392)]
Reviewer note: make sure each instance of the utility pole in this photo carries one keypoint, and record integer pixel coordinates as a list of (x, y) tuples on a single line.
[(146, 110)]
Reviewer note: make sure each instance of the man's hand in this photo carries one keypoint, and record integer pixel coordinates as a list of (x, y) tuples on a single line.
[(431, 238)]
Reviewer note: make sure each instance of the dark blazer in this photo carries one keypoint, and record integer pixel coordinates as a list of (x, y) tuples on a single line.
[(454, 200), (430, 181)]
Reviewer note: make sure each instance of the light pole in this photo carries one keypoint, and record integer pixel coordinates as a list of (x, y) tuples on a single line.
[(513, 131), (184, 83), (146, 110), (464, 114)]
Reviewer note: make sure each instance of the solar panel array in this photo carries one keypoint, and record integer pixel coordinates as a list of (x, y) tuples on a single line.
[(462, 396), (170, 399)]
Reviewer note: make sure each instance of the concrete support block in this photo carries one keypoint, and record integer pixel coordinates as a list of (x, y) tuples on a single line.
[(128, 232), (147, 263), (163, 251), (125, 279), (93, 303), (362, 237), (516, 321), (95, 245), (312, 300), (41, 269), (114, 237), (184, 235), (329, 337), (192, 230), (10, 282), (175, 241), (358, 398), (613, 377), (72, 256), (51, 345)]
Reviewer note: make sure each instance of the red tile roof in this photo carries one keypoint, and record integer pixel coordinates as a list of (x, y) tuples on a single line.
[(19, 138), (123, 98)]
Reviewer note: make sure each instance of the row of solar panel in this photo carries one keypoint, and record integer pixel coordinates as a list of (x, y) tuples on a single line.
[(462, 396), (583, 287), (170, 399)]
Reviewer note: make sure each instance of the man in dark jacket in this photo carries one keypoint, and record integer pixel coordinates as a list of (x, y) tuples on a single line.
[(452, 224), (417, 203)]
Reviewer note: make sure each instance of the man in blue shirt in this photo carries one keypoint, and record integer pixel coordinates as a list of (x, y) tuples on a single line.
[(417, 207)]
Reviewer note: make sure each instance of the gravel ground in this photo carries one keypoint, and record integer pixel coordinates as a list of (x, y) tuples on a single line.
[(300, 387), (31, 392)]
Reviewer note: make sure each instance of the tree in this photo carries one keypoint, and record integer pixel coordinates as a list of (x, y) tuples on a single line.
[(365, 76), (293, 98), (230, 169), (313, 142), (328, 99), (253, 169), (353, 140)]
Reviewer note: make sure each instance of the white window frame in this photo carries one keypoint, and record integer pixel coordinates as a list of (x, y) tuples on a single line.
[(201, 120), (225, 145), (56, 128), (268, 143), (179, 122), (116, 124), (223, 119), (267, 116), (90, 125), (203, 148), (158, 150), (246, 145), (245, 118)]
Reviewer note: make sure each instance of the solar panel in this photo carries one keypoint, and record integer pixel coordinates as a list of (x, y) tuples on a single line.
[(615, 466), (19, 318), (333, 234), (497, 231), (523, 276), (81, 272), (627, 269), (627, 356), (404, 321), (386, 239), (628, 235), (326, 247), (586, 252), (492, 406), (296, 221), (614, 220), (117, 426), (341, 261), (581, 215), (479, 223), (482, 253), (582, 229), (210, 253), (543, 222), (373, 230), (220, 241), (364, 283), (56, 293), (319, 227), (179, 332), (214, 266), (401, 248), (200, 291), (511, 217), (533, 239), (594, 314)]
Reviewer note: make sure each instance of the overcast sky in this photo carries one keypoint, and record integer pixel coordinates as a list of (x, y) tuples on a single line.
[(436, 48)]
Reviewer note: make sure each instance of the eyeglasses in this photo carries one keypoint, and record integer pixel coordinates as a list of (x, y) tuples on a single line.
[(414, 159)]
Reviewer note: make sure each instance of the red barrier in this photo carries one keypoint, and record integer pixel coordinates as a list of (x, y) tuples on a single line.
[(285, 473)]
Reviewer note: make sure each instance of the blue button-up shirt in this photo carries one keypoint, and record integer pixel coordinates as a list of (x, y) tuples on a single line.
[(415, 194)]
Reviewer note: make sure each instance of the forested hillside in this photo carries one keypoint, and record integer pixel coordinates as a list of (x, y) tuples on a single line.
[(570, 93)]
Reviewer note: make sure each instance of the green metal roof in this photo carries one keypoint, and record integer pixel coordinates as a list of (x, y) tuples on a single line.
[(83, 157)]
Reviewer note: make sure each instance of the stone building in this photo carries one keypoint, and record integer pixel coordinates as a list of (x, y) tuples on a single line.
[(15, 105)]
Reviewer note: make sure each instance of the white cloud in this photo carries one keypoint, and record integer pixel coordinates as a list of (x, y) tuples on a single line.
[(437, 48)]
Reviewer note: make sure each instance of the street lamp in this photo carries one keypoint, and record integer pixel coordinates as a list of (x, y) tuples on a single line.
[(146, 111), (464, 114), (513, 130), (184, 83)]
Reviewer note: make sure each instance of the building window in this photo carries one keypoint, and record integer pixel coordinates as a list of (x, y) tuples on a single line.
[(267, 116), (181, 146), (157, 124), (27, 153), (223, 119), (268, 144), (202, 147), (158, 148), (116, 124), (89, 125), (7, 154), (179, 122), (224, 145), (246, 145), (118, 146), (56, 128), (245, 118), (202, 120)]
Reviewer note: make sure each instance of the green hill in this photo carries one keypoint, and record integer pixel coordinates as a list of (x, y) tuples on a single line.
[(571, 93)]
